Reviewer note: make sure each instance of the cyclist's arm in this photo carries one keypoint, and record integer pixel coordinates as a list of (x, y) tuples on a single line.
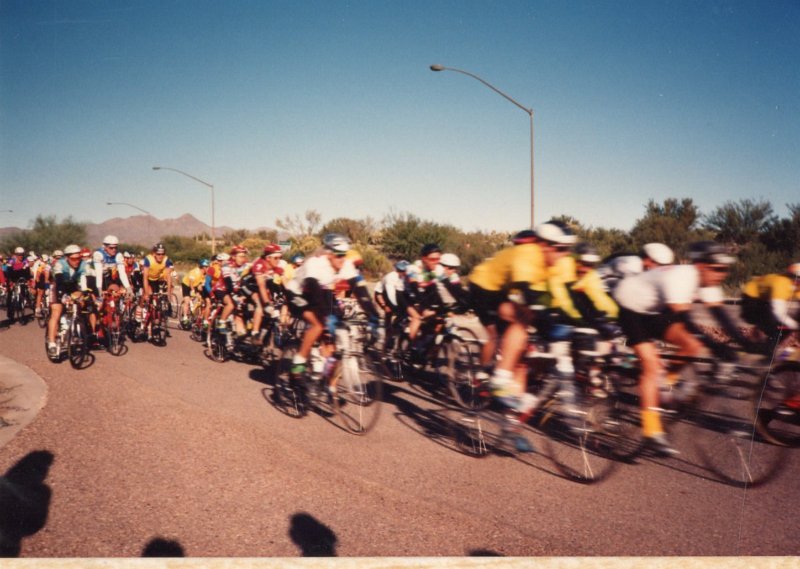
[(97, 261), (123, 273), (359, 287)]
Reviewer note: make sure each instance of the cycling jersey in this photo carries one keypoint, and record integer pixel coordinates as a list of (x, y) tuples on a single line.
[(518, 264), (230, 278), (652, 291), (766, 299), (431, 288), (321, 270), (389, 286), (194, 278), (155, 270), (68, 279), (589, 296), (17, 268), (109, 269)]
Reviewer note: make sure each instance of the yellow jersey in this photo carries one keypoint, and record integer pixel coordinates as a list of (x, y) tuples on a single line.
[(194, 278), (155, 270), (518, 264), (772, 287)]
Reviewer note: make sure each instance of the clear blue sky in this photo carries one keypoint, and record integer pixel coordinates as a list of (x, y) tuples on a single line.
[(290, 105)]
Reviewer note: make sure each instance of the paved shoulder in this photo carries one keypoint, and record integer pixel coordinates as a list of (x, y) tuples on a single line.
[(22, 395)]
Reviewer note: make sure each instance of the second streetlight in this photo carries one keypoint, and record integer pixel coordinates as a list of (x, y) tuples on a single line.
[(211, 186)]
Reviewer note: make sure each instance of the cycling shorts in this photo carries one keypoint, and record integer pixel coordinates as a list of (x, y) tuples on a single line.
[(642, 328), (485, 303)]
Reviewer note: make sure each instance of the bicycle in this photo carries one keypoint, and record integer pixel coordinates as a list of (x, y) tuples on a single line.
[(345, 382), (19, 300), (586, 435), (72, 338), (110, 323), (43, 316), (189, 314), (451, 351), (778, 403), (154, 320)]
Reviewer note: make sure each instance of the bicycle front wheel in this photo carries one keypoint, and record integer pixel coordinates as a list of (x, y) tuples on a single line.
[(77, 343), (287, 394), (458, 363), (357, 391), (582, 437), (116, 336), (727, 444), (778, 406)]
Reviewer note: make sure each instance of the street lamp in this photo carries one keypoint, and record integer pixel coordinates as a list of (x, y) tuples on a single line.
[(213, 230), (129, 205), (498, 91)]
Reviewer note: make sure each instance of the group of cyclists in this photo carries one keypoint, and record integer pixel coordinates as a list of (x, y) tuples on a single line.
[(545, 278)]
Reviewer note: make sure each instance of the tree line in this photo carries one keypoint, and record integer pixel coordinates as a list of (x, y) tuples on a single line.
[(763, 241)]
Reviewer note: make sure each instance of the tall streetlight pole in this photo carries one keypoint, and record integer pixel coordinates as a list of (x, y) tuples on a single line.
[(129, 205), (498, 91), (211, 186)]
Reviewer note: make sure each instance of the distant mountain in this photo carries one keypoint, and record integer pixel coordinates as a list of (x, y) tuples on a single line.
[(141, 229)]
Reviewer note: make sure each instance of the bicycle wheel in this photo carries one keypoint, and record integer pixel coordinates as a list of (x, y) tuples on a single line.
[(115, 334), (582, 437), (357, 391), (778, 406), (727, 443), (458, 362), (218, 346), (44, 315), (77, 343), (158, 327), (172, 310), (287, 394), (476, 432)]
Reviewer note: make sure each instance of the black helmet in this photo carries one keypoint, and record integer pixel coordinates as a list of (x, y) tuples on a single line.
[(336, 243), (711, 253), (524, 236), (159, 248), (429, 249)]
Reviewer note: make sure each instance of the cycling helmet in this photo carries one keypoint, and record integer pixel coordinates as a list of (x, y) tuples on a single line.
[(271, 249), (450, 260), (85, 252), (298, 259), (72, 250), (587, 254), (110, 240), (203, 263), (794, 269), (659, 253), (524, 236), (159, 248), (126, 255), (19, 251), (45, 257), (336, 243), (556, 233), (429, 249), (402, 265), (711, 253), (237, 249), (58, 253), (223, 257)]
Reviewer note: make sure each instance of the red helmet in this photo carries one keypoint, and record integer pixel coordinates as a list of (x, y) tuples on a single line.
[(85, 252), (238, 249), (272, 248)]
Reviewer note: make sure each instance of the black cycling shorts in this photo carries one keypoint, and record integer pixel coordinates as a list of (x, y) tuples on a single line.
[(485, 303), (641, 328)]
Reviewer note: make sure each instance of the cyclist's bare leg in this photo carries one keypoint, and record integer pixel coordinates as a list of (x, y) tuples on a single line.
[(311, 334), (414, 322), (52, 324)]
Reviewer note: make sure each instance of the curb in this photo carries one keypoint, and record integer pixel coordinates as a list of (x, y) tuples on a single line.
[(23, 393)]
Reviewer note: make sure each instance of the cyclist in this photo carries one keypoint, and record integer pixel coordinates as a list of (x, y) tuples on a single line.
[(588, 294), (134, 271), (425, 280), (291, 267), (191, 284), (766, 302), (41, 280), (226, 287), (267, 268), (69, 275), (17, 269), (156, 276), (213, 274), (389, 296), (109, 267), (656, 305), (523, 273), (312, 296)]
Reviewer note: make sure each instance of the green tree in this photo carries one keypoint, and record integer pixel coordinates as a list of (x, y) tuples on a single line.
[(741, 222), (362, 231), (404, 234), (185, 249), (675, 223), (46, 235)]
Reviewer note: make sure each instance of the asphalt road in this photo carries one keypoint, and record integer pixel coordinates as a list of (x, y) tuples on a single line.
[(164, 449)]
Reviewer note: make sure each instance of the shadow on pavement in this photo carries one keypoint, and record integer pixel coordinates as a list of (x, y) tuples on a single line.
[(314, 538), (484, 553), (161, 547), (24, 500)]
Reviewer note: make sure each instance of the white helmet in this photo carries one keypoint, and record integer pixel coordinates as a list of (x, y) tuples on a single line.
[(556, 233), (19, 251), (450, 260), (110, 240), (72, 250), (45, 257), (659, 253), (223, 257), (58, 253)]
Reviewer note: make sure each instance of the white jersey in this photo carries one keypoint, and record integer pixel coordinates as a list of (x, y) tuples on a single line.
[(320, 269), (652, 291), (390, 285)]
